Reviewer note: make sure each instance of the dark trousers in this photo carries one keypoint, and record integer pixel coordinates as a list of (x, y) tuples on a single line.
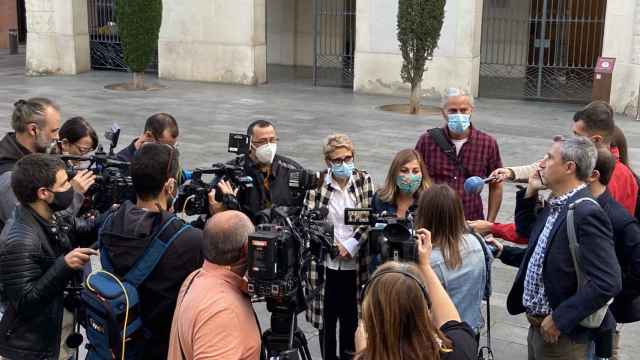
[(340, 305)]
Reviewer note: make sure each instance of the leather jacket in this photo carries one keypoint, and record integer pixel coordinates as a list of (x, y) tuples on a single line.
[(34, 276)]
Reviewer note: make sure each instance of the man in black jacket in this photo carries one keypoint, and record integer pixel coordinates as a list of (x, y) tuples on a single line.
[(269, 171), (626, 234), (546, 287), (36, 260), (130, 231), (36, 123)]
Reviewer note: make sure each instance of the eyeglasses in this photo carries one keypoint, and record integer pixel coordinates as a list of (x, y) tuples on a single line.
[(83, 150), (258, 143), (339, 161)]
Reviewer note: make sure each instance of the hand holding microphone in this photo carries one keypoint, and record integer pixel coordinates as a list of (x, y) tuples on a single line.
[(474, 184)]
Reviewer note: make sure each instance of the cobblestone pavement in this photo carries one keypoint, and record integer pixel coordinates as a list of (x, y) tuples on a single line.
[(304, 115)]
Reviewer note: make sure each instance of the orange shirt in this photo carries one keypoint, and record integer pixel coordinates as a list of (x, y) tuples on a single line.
[(215, 319)]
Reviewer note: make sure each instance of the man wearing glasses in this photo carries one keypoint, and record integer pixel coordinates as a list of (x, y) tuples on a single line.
[(269, 171)]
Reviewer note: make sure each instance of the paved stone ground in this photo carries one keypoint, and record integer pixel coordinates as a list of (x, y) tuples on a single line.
[(304, 115)]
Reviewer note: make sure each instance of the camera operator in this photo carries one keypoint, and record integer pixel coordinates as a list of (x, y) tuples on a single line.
[(132, 228), (269, 171), (161, 128), (407, 314), (36, 123), (458, 257), (343, 187), (214, 318), (77, 137), (406, 180), (37, 259)]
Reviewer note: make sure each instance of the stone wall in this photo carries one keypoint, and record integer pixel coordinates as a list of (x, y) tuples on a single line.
[(213, 40), (456, 62), (57, 37), (622, 41)]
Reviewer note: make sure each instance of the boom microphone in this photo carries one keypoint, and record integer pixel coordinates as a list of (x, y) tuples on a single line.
[(474, 184)]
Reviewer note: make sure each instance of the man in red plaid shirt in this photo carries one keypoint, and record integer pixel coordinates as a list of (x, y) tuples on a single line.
[(471, 153)]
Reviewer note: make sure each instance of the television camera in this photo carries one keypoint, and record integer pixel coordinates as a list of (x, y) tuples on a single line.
[(392, 238), (113, 184), (280, 255)]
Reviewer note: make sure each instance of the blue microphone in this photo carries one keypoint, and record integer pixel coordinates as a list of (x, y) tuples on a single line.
[(474, 184)]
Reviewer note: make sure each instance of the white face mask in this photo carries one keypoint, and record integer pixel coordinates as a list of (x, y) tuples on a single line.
[(266, 153)]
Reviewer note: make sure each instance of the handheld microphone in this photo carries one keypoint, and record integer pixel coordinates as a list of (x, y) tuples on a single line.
[(474, 184)]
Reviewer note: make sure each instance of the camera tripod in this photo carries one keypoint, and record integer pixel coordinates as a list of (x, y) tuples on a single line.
[(284, 340)]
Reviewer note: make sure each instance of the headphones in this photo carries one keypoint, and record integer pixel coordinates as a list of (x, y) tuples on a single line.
[(403, 271)]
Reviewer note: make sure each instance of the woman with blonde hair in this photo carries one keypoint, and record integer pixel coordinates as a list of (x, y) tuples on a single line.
[(406, 314), (406, 180), (342, 186), (459, 257)]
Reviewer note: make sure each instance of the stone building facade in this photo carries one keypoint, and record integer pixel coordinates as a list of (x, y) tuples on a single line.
[(235, 41)]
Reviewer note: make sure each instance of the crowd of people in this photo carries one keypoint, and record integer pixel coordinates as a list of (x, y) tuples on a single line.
[(575, 242)]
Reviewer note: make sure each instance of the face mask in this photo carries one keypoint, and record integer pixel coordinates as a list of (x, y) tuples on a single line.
[(266, 153), (458, 123), (343, 170), (408, 183), (61, 199)]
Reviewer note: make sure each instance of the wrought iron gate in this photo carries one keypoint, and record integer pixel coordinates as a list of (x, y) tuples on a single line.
[(106, 49), (334, 42), (540, 49)]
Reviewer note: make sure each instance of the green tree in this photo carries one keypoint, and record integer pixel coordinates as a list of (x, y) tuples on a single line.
[(419, 25), (139, 28)]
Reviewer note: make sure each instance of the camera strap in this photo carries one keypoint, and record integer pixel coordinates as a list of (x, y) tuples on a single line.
[(439, 137), (487, 298), (193, 277)]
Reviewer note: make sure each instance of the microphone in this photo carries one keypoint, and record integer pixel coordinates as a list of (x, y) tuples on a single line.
[(474, 184)]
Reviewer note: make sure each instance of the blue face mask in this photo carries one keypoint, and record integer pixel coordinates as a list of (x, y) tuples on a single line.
[(408, 183), (458, 123), (343, 170)]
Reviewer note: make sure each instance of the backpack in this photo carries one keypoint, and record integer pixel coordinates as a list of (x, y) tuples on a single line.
[(112, 303)]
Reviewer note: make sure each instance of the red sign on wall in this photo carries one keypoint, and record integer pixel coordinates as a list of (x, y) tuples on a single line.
[(605, 65)]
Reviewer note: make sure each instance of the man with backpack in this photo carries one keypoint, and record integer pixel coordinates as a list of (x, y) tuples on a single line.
[(149, 250), (458, 151)]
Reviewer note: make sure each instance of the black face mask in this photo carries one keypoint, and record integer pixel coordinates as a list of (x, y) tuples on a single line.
[(61, 199)]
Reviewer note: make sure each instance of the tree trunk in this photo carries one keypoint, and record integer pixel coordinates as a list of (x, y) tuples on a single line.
[(138, 80), (414, 99)]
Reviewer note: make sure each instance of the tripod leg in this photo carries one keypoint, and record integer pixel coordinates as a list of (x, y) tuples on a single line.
[(303, 345)]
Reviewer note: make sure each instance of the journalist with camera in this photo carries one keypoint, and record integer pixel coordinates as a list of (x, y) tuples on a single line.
[(37, 259), (132, 228), (268, 170), (407, 314), (36, 123)]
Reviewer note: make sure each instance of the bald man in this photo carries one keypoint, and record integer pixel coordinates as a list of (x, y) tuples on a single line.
[(214, 318)]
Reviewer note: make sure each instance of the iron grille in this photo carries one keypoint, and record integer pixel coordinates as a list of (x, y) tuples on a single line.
[(106, 49), (540, 49), (334, 42)]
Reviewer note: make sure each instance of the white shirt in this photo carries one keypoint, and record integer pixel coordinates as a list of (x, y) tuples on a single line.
[(341, 199), (458, 144)]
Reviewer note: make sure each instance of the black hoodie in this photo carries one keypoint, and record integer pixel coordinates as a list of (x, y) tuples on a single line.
[(10, 152), (126, 238)]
